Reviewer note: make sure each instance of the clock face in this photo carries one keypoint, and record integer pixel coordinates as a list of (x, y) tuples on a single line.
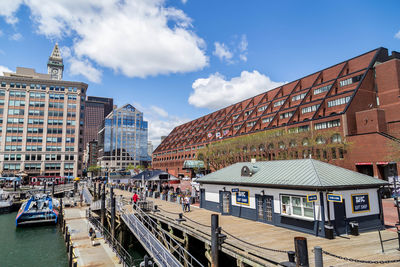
[(54, 71)]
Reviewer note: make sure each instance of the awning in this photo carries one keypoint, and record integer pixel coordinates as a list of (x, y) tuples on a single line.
[(190, 164)]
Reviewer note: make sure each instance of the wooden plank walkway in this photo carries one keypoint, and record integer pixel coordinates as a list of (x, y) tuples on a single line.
[(366, 246), (87, 254)]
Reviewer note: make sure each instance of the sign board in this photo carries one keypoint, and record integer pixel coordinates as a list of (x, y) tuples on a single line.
[(235, 190), (312, 197), (242, 197), (335, 198), (360, 202)]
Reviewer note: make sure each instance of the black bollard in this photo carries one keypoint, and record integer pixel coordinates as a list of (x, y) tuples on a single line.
[(146, 261), (94, 192), (44, 186), (300, 245), (99, 191), (214, 240), (71, 251), (52, 189)]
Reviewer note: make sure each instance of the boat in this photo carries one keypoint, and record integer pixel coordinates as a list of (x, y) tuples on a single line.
[(39, 209), (6, 202)]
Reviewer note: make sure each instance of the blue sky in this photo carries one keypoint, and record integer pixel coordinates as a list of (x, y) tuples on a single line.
[(176, 60)]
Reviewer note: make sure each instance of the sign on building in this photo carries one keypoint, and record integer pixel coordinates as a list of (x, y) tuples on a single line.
[(312, 197), (335, 198), (360, 202), (242, 197), (235, 190)]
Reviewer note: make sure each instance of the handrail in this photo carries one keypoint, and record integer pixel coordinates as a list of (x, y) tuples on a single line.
[(86, 195), (172, 245)]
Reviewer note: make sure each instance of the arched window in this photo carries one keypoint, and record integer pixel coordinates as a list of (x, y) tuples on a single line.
[(253, 149), (320, 140), (270, 146), (292, 143), (281, 145), (336, 138), (261, 148), (305, 142), (245, 149)]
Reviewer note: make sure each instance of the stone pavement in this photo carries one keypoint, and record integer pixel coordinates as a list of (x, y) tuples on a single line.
[(88, 255)]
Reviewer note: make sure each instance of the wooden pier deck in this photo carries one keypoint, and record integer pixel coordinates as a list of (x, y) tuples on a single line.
[(87, 255), (259, 236)]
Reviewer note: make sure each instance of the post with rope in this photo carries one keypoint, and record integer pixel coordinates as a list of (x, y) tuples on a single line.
[(318, 257), (214, 240)]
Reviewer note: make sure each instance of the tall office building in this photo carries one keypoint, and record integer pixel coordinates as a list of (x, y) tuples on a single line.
[(41, 121), (124, 136), (97, 108)]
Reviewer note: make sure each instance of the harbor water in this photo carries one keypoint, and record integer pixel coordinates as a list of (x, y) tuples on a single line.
[(30, 246)]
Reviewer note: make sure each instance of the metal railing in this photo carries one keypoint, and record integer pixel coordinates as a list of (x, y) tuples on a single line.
[(152, 238), (124, 256), (86, 195)]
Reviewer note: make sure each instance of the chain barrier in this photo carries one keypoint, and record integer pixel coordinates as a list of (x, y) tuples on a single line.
[(253, 245), (359, 261)]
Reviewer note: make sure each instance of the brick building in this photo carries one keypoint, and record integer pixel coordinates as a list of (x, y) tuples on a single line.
[(41, 121), (359, 98)]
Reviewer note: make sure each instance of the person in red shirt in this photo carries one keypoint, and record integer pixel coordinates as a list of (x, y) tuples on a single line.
[(135, 199)]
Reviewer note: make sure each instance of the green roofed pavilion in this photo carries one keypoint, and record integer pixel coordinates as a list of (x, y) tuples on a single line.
[(296, 174)]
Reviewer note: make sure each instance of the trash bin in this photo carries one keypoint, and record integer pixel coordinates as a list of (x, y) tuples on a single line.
[(329, 231), (354, 228)]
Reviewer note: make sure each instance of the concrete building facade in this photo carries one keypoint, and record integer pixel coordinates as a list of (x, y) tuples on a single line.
[(358, 98), (41, 121)]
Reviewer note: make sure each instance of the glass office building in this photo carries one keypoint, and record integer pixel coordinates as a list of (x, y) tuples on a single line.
[(125, 139)]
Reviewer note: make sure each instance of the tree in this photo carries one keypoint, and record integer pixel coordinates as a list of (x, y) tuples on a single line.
[(94, 169), (274, 145)]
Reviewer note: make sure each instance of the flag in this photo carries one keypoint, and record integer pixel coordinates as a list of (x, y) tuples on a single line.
[(209, 135), (217, 134)]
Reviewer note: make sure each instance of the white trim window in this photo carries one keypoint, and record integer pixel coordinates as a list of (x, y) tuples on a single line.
[(297, 206)]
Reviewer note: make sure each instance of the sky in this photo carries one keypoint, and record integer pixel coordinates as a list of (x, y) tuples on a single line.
[(177, 60)]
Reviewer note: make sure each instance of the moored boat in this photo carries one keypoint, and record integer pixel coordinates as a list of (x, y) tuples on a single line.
[(39, 209)]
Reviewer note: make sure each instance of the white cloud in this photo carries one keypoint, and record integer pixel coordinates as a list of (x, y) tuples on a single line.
[(16, 37), (184, 1), (397, 35), (236, 49), (4, 69), (8, 8), (85, 68), (159, 111), (222, 52), (137, 38), (1, 33), (216, 92)]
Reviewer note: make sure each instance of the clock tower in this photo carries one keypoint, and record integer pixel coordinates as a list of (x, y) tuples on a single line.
[(55, 64)]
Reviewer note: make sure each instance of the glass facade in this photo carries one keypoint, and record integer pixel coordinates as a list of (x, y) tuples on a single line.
[(125, 138)]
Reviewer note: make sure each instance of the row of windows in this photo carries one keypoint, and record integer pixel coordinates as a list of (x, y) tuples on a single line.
[(54, 130), (286, 115), (252, 123), (36, 104), (56, 113), (13, 148), (309, 109), (267, 119), (298, 97), (33, 148), (56, 105), (35, 130), (17, 85), (32, 166), (17, 94), (339, 101), (34, 139), (10, 157), (350, 80), (11, 166), (322, 89), (13, 138), (260, 109), (15, 120), (16, 103), (16, 112), (35, 121), (327, 124), (15, 129), (53, 139), (56, 96), (37, 95), (34, 112), (279, 103)]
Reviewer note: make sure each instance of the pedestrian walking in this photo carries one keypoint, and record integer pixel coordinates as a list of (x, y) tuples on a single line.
[(135, 199), (187, 203), (183, 203)]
